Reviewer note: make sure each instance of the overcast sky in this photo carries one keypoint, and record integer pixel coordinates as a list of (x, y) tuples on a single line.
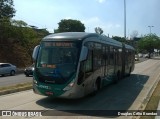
[(107, 14)]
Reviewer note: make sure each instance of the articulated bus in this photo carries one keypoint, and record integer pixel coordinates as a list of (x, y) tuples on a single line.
[(75, 64)]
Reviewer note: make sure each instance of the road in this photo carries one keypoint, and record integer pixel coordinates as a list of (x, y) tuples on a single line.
[(130, 93), (12, 80)]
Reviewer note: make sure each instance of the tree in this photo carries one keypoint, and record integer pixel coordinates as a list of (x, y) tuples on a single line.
[(120, 39), (98, 30), (6, 9), (70, 25), (148, 43), (6, 13), (19, 23), (17, 40)]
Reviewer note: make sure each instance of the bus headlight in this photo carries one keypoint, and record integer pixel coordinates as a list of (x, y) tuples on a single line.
[(34, 81), (69, 86)]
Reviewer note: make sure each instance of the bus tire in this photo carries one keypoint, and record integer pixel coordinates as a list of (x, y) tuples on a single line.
[(129, 73), (116, 78), (97, 86), (118, 75), (98, 82)]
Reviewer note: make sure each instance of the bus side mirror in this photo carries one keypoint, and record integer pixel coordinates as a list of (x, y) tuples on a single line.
[(35, 52), (84, 53)]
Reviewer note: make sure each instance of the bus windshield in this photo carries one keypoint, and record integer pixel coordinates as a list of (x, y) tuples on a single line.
[(57, 61)]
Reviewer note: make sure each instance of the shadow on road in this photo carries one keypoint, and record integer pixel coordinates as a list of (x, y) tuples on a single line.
[(107, 102), (155, 58)]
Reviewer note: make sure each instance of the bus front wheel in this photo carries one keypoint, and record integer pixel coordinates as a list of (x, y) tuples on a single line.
[(97, 86)]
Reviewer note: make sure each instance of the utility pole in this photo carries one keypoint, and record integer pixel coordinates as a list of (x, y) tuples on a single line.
[(125, 19)]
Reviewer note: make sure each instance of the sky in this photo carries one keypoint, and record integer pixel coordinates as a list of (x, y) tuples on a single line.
[(107, 14)]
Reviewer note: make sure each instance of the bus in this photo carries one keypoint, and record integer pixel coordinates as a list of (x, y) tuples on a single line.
[(75, 64)]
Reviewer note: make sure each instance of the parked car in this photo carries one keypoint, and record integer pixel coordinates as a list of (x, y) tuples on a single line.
[(29, 70), (136, 58), (146, 55), (140, 55), (7, 68)]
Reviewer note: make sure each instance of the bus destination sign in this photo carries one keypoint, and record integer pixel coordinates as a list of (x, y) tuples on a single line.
[(58, 44)]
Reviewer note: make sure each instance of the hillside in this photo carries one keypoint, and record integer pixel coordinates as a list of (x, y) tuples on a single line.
[(17, 43)]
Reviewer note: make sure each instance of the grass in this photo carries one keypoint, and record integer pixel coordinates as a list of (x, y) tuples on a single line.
[(153, 102), (15, 88)]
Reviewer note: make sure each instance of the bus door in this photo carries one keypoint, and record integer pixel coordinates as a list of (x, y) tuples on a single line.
[(87, 68), (104, 62), (126, 62), (98, 62), (106, 57), (115, 60), (86, 73), (111, 64)]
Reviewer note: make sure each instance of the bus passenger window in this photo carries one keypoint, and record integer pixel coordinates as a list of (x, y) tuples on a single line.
[(88, 62), (97, 56), (111, 56)]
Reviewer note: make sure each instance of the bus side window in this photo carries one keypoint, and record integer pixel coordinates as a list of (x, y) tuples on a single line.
[(88, 62), (97, 56), (86, 67), (111, 56)]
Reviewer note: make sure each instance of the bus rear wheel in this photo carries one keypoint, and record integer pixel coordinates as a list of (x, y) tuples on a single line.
[(117, 77)]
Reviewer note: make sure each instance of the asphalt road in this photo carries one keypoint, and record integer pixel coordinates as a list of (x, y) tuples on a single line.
[(12, 80), (131, 93)]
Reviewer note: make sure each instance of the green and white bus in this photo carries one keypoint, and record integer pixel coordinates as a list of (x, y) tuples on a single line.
[(75, 64)]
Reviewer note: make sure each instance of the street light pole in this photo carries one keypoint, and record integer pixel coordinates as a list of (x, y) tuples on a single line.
[(150, 27), (125, 19)]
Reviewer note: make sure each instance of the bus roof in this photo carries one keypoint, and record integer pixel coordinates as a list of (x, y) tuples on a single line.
[(69, 36), (110, 41), (129, 47)]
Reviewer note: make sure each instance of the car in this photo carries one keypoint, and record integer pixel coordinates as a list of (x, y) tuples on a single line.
[(140, 55), (29, 70), (146, 55), (136, 58), (7, 68)]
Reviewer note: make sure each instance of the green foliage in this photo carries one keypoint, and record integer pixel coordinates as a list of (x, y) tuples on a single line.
[(17, 40), (70, 25), (18, 23), (98, 30), (6, 9), (121, 39), (148, 43)]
